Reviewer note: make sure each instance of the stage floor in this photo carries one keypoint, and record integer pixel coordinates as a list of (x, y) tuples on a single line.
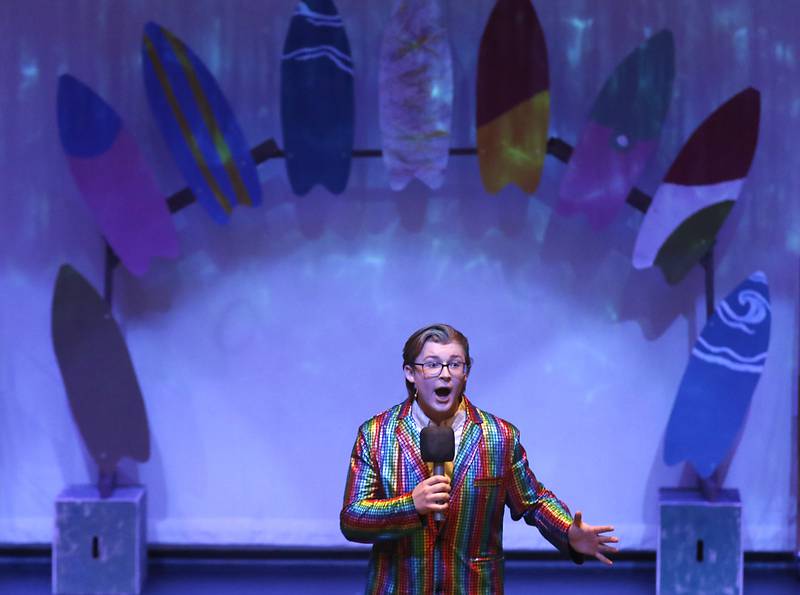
[(340, 577)]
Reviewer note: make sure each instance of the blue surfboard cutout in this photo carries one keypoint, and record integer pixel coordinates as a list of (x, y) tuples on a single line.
[(722, 374), (317, 98), (198, 125)]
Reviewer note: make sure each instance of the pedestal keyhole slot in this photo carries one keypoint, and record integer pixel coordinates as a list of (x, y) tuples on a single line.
[(95, 547), (699, 550)]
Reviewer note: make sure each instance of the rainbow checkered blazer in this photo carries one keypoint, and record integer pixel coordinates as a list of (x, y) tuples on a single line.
[(410, 554)]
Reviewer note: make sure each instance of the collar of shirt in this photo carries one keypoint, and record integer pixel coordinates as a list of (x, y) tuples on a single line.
[(456, 422)]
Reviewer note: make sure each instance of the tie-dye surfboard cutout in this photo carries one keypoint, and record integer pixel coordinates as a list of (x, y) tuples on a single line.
[(415, 94)]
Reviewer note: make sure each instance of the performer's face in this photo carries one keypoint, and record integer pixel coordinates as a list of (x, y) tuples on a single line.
[(439, 396)]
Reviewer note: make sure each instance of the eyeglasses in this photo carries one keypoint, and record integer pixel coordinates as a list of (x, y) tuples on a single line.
[(433, 369)]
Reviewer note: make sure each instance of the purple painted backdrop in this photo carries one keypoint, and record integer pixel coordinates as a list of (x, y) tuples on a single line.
[(294, 315)]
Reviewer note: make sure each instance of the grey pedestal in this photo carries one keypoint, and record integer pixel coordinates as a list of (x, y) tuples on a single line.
[(700, 543), (100, 546)]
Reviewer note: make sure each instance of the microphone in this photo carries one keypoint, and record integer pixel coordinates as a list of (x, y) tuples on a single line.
[(438, 444)]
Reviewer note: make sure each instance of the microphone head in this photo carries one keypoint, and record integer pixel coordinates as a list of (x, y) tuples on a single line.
[(438, 444)]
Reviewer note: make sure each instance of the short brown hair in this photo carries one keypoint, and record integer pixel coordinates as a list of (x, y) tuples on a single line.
[(438, 333)]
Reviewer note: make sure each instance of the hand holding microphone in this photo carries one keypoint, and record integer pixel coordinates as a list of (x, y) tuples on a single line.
[(437, 444)]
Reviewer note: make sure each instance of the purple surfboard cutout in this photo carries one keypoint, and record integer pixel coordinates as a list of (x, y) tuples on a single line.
[(598, 178), (622, 133), (115, 182), (99, 378)]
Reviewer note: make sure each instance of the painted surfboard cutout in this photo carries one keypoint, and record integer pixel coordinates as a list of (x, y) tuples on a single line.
[(317, 98), (622, 133), (724, 368), (100, 381), (700, 188), (198, 125), (513, 98), (416, 94), (114, 180)]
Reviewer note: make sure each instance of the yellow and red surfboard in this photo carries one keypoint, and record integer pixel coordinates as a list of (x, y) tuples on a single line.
[(513, 98)]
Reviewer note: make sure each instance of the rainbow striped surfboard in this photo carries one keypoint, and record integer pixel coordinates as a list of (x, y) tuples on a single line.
[(198, 125)]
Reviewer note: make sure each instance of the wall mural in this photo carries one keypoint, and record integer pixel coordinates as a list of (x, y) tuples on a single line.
[(679, 230)]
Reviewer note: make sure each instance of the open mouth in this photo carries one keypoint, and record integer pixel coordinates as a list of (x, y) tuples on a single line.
[(443, 391)]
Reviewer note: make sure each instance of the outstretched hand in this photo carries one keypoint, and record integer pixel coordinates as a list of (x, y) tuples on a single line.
[(589, 540)]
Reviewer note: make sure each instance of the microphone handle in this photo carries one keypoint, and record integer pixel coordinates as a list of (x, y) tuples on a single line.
[(438, 469)]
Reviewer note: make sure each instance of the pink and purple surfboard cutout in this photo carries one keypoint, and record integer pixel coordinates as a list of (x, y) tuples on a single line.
[(113, 178), (622, 133)]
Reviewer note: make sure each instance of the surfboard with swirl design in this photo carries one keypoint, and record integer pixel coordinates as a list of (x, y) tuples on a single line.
[(198, 125), (724, 368)]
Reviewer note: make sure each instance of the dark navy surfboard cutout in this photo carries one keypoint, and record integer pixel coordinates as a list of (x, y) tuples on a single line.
[(317, 98)]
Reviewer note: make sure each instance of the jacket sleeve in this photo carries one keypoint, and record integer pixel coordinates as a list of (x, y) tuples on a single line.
[(529, 499), (367, 516)]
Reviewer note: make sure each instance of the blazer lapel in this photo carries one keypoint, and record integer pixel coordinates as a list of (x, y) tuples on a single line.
[(471, 438), (408, 439)]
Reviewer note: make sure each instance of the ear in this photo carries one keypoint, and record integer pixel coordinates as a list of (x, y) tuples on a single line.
[(409, 372)]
